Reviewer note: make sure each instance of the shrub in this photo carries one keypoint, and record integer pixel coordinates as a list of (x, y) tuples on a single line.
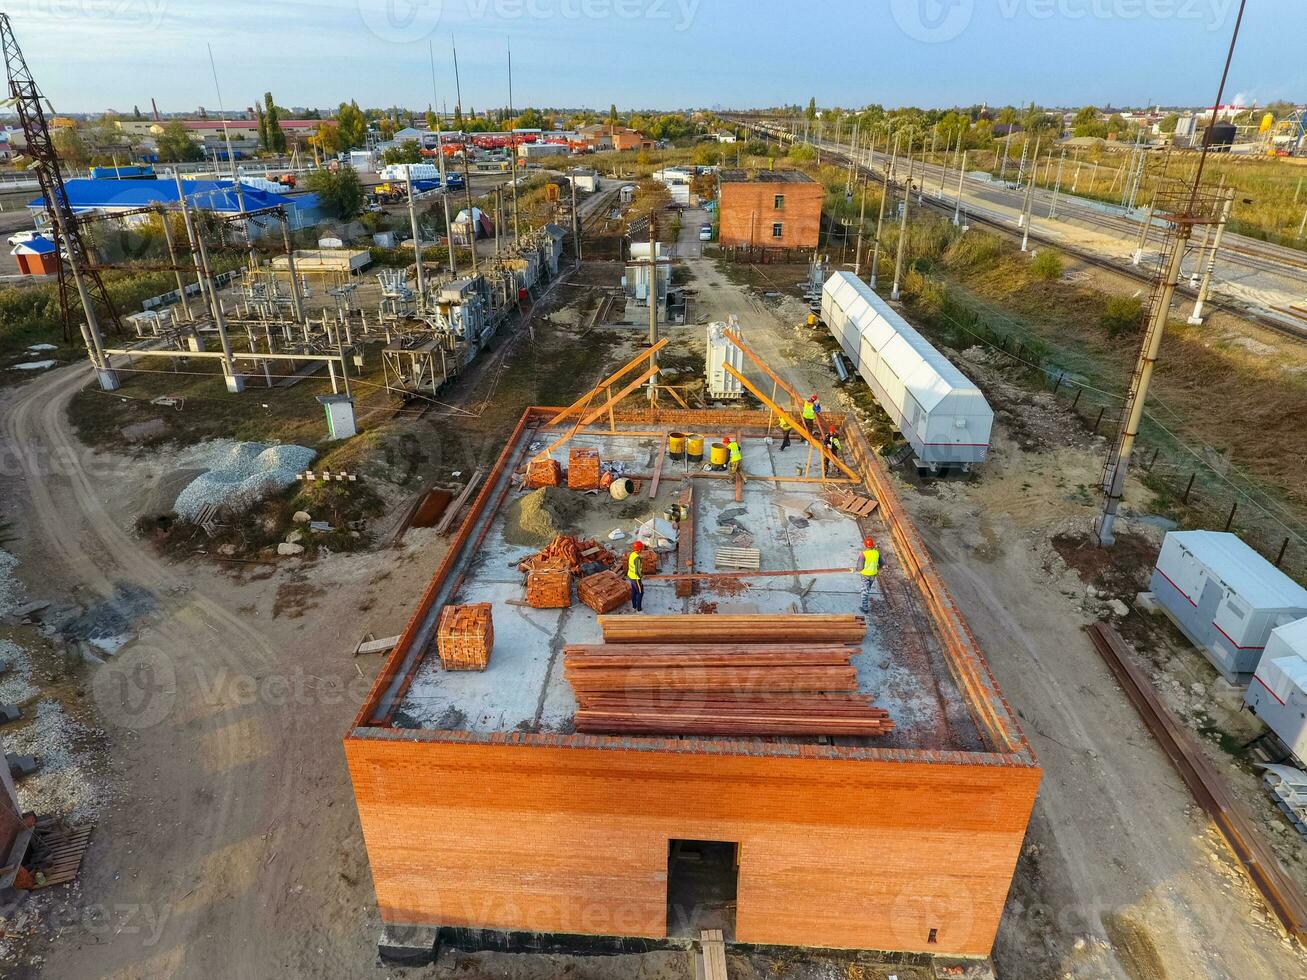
[(1047, 265), (1121, 314)]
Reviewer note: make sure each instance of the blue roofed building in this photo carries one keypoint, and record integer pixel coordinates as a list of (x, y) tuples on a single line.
[(109, 196)]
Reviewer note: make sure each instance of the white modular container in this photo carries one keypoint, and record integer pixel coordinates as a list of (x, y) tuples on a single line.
[(721, 351), (1225, 597), (407, 171), (1278, 692), (941, 413)]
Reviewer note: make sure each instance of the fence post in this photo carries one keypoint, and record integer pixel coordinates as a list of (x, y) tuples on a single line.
[(1076, 401), (1058, 384), (1280, 557), (1099, 419), (1230, 520), (1184, 497), (1152, 461)]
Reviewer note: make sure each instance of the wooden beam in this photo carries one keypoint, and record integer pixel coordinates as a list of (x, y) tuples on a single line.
[(585, 399), (595, 413), (800, 429), (734, 338), (745, 574), (658, 470)]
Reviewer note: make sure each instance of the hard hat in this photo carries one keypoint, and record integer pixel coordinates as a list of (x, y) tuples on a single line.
[(868, 543), (812, 398), (832, 430), (638, 546)]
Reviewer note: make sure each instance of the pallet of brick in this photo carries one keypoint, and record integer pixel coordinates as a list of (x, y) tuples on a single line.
[(603, 592), (549, 588), (465, 636), (583, 469), (741, 628), (543, 473), (649, 561)]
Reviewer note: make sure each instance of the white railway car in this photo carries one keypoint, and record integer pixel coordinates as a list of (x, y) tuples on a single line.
[(941, 413)]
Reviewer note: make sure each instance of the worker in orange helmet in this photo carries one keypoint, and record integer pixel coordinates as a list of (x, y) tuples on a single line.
[(832, 444), (635, 575), (869, 569)]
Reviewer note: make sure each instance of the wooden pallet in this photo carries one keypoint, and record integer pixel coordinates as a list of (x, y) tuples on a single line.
[(63, 849), (744, 558), (851, 503)]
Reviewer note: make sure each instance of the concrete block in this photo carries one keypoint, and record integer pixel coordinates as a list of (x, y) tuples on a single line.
[(286, 549), (10, 713), (1147, 602), (21, 765), (409, 945)]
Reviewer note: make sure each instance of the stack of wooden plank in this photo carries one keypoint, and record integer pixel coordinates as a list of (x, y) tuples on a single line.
[(603, 592), (583, 469), (755, 628), (549, 588), (543, 473), (723, 675), (465, 636)]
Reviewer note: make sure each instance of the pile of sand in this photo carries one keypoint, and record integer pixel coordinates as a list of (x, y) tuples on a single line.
[(533, 521)]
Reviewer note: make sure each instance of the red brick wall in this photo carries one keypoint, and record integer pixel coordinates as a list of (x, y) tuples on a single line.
[(855, 854), (748, 212)]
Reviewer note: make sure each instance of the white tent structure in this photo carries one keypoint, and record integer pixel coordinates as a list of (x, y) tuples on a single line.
[(941, 413)]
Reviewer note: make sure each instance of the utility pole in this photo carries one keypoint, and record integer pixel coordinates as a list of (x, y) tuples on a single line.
[(1196, 317), (1144, 229), (1057, 187), (943, 168), (862, 217), (1028, 209), (1007, 143), (440, 157), (417, 245), (880, 220), (172, 259), (296, 300), (653, 305), (235, 383), (512, 145), (471, 215), (576, 224), (957, 208), (903, 229)]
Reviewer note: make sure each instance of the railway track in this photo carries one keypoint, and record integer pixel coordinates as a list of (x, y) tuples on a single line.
[(943, 205)]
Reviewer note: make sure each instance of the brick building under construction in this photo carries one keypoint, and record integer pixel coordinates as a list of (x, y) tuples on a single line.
[(490, 821)]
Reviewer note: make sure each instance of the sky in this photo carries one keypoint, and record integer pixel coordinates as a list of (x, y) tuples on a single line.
[(95, 55)]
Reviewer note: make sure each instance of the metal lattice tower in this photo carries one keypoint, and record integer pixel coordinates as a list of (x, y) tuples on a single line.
[(26, 98)]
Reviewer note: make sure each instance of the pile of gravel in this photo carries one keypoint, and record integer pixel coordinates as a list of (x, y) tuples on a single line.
[(242, 475)]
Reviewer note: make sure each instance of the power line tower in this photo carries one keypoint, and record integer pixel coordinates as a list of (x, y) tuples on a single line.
[(26, 99)]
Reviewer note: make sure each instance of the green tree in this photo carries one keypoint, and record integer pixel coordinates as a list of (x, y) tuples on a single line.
[(70, 146), (136, 113), (176, 145), (386, 127), (612, 113), (263, 126), (406, 152), (353, 125), (811, 112), (340, 192), (272, 119), (1169, 122), (432, 122), (327, 139), (458, 115), (530, 119)]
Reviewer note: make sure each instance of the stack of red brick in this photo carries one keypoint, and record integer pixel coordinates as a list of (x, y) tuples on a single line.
[(549, 588), (465, 636), (603, 592), (543, 473), (583, 471)]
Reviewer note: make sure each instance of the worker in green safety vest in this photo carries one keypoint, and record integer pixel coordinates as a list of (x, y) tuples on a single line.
[(869, 569), (833, 446), (635, 575), (810, 415), (737, 457), (787, 430)]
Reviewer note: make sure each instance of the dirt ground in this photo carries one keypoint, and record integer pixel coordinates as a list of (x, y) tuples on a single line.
[(230, 846)]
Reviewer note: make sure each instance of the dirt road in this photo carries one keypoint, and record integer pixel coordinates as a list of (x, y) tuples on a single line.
[(223, 723)]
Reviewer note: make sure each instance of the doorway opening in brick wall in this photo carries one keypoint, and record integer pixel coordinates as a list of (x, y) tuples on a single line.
[(702, 878)]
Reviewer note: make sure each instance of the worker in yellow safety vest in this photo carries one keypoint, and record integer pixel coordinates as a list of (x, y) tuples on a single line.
[(869, 570), (832, 444), (635, 574), (810, 415), (737, 457), (787, 430)]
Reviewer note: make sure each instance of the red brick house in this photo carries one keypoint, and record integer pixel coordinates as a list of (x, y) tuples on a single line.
[(772, 208)]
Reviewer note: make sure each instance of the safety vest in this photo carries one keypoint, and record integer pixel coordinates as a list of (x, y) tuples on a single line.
[(736, 455), (809, 412), (785, 425), (870, 562), (635, 566), (833, 443)]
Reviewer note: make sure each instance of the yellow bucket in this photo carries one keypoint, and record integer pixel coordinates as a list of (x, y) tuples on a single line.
[(694, 448), (676, 444), (718, 455)]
